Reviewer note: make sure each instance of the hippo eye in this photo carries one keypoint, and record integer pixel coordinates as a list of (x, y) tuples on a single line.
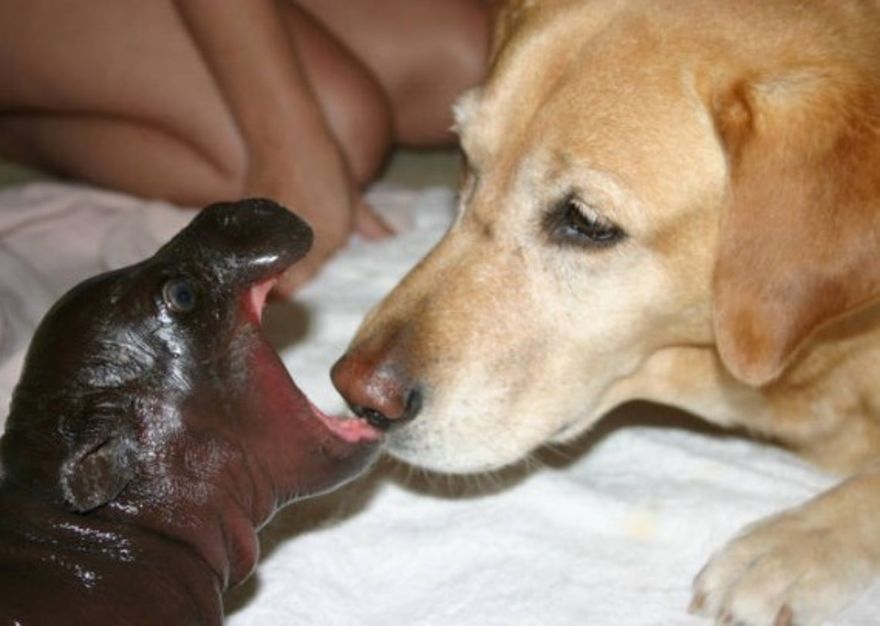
[(179, 295)]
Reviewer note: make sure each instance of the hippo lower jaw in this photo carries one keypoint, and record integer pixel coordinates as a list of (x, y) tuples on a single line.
[(299, 451), (348, 427), (340, 437)]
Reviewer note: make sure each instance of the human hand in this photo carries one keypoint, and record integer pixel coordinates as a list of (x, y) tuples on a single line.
[(292, 154), (314, 182), (366, 223)]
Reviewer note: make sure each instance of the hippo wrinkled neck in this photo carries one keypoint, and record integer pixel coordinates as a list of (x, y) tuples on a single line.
[(219, 524), (97, 554), (227, 545)]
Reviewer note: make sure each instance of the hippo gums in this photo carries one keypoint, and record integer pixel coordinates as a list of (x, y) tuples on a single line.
[(154, 430)]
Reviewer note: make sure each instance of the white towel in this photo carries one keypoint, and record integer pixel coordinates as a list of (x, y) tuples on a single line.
[(608, 533)]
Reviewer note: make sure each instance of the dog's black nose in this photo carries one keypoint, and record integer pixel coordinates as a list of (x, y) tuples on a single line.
[(377, 392)]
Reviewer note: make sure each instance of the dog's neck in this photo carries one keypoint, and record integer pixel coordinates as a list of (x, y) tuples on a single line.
[(825, 406)]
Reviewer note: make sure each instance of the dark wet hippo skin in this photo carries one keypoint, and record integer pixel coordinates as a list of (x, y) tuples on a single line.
[(154, 430)]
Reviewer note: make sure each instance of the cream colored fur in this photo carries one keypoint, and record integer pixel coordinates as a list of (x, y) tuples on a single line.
[(734, 144)]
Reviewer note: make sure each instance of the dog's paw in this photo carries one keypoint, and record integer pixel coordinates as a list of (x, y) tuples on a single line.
[(788, 570)]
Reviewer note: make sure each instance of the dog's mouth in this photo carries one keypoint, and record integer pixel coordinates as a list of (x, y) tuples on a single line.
[(349, 428)]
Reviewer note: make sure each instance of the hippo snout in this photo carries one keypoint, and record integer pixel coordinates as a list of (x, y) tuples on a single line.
[(249, 240)]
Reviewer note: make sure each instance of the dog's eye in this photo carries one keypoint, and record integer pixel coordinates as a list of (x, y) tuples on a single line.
[(179, 295), (573, 221)]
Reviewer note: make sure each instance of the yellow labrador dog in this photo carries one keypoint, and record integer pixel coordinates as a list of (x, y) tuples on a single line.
[(672, 200)]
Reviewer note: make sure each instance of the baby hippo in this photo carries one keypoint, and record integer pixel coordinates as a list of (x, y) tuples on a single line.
[(154, 430)]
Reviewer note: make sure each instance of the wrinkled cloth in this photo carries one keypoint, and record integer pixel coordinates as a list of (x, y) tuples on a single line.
[(609, 531)]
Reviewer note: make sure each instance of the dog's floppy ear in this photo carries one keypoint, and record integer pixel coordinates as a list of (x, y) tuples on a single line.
[(799, 241), (100, 463)]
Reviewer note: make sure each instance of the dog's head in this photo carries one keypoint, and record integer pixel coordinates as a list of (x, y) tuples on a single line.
[(649, 185), (154, 385)]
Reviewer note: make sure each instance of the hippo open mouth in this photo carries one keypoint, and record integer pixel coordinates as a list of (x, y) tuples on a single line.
[(348, 427)]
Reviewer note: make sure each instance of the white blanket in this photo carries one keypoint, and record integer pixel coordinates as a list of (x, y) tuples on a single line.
[(610, 532)]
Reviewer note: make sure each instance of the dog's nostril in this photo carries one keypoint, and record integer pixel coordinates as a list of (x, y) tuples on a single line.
[(413, 404), (378, 419), (373, 417)]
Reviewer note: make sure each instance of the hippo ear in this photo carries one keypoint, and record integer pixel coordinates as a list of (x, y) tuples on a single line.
[(99, 466)]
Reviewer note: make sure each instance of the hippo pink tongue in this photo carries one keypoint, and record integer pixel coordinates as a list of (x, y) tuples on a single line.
[(349, 429)]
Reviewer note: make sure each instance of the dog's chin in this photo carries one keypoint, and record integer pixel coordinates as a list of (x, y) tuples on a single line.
[(435, 459), (418, 445), (440, 443)]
